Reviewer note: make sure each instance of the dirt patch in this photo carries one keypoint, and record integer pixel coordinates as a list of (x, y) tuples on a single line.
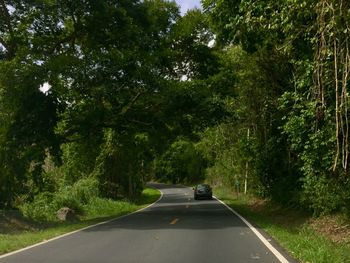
[(333, 227), (12, 222), (258, 205)]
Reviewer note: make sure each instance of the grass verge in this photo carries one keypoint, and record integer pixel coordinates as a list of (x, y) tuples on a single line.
[(17, 232), (294, 230)]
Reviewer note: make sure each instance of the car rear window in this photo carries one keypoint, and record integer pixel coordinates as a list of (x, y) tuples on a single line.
[(203, 187)]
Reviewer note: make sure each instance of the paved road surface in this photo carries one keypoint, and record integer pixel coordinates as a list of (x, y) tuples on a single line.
[(175, 229)]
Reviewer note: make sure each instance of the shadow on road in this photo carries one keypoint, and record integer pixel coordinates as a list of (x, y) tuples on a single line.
[(190, 214)]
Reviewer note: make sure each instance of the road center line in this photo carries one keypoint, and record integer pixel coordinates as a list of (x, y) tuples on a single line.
[(174, 221)]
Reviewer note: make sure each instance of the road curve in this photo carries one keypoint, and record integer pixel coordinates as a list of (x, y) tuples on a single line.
[(175, 229)]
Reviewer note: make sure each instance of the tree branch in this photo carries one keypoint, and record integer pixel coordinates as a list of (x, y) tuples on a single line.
[(140, 122), (129, 105)]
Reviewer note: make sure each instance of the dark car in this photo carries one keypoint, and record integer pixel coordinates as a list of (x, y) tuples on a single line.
[(202, 191)]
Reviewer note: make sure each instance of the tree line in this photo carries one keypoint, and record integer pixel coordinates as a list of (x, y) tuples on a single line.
[(251, 95), (292, 96), (114, 98)]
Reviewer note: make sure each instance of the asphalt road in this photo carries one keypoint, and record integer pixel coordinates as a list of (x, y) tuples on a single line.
[(175, 229)]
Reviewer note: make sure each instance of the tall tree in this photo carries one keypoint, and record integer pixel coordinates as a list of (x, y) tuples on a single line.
[(309, 39), (103, 62)]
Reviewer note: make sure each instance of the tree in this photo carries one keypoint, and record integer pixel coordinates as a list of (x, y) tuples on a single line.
[(181, 163), (308, 42), (103, 63)]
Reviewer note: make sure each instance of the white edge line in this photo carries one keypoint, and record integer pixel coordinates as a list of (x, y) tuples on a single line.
[(278, 255), (79, 230)]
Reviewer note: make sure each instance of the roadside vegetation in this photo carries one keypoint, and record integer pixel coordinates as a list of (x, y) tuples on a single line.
[(306, 238), (19, 230)]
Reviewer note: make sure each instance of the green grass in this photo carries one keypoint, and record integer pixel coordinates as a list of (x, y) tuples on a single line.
[(98, 210), (291, 230)]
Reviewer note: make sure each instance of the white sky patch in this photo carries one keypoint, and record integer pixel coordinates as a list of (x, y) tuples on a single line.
[(2, 48), (44, 88), (11, 9), (188, 4), (212, 43), (184, 78), (39, 62), (60, 25)]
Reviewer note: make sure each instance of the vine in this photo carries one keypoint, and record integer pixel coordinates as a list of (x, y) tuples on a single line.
[(333, 45)]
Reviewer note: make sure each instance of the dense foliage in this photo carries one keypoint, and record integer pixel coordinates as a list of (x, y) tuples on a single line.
[(107, 65), (93, 90), (300, 135), (247, 94)]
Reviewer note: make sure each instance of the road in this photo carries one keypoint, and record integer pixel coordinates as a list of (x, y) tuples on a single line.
[(175, 229)]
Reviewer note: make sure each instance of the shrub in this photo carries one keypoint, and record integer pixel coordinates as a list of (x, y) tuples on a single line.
[(65, 198), (323, 195), (45, 205), (41, 209), (85, 190)]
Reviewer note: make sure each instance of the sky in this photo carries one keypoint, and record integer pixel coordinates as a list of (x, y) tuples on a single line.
[(188, 4)]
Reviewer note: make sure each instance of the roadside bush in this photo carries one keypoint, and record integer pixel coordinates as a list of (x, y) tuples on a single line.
[(45, 205), (323, 195), (42, 208), (85, 190), (65, 198)]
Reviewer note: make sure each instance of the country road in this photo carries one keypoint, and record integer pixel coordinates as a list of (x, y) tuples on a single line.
[(175, 229)]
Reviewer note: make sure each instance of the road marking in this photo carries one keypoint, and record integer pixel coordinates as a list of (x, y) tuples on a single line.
[(174, 221), (277, 254), (80, 230)]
